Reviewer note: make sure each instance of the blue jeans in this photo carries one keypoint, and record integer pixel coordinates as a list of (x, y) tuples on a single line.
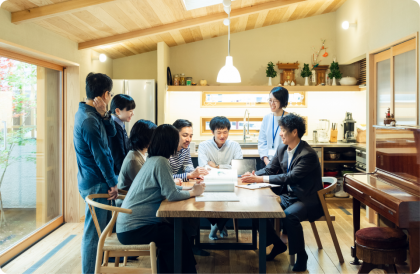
[(90, 235)]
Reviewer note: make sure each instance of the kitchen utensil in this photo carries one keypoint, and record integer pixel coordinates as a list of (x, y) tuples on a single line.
[(203, 82), (348, 124), (331, 155), (330, 173), (323, 129), (340, 192), (349, 155), (315, 136), (168, 77), (348, 81), (334, 133)]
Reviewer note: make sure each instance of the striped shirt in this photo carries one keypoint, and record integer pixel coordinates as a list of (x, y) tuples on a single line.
[(182, 159), (209, 151)]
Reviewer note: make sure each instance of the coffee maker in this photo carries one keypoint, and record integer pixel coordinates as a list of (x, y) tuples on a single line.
[(349, 132)]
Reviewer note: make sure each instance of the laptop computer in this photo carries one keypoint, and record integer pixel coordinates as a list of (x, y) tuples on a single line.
[(244, 165)]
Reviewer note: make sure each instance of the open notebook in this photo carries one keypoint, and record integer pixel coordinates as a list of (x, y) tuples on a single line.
[(220, 186)]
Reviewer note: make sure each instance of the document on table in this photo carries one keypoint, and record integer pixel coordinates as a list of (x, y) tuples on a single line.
[(217, 197), (257, 186), (220, 180)]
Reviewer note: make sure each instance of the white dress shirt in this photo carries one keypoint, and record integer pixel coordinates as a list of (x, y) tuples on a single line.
[(209, 151)]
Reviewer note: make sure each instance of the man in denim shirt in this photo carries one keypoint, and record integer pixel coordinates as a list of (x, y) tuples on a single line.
[(93, 125)]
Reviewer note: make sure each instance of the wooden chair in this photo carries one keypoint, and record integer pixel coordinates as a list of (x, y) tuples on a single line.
[(109, 243), (326, 218)]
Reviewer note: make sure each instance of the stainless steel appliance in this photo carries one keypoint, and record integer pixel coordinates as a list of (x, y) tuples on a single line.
[(349, 132), (144, 94), (361, 159)]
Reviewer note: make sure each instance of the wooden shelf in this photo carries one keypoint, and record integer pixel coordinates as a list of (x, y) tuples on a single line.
[(339, 200), (340, 162), (261, 88)]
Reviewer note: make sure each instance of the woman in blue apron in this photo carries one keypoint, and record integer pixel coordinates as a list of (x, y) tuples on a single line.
[(269, 138)]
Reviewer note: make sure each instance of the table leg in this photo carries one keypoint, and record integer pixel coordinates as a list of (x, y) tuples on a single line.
[(262, 245), (254, 236), (414, 242), (178, 245), (356, 227)]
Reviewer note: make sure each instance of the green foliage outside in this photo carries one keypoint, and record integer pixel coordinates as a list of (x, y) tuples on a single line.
[(270, 72), (14, 77), (335, 71)]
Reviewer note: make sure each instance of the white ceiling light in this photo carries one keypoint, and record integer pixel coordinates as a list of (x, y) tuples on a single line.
[(228, 73), (196, 4), (102, 57), (346, 25)]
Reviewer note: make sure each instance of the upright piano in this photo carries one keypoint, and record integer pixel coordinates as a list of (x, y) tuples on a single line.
[(393, 190)]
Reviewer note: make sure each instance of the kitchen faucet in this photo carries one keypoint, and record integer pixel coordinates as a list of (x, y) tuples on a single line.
[(244, 129)]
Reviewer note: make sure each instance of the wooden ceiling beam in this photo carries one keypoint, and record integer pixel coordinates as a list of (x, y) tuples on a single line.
[(47, 11), (187, 23)]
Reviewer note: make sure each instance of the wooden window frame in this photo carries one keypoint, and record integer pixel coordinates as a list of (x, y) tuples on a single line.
[(47, 228), (246, 105)]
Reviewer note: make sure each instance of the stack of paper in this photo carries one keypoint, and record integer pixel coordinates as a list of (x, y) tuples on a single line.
[(221, 180), (257, 185)]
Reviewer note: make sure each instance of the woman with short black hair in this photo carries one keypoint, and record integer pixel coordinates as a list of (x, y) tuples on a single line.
[(151, 186), (268, 139), (140, 136)]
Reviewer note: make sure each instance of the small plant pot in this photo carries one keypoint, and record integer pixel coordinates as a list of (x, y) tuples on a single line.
[(269, 81), (334, 83), (306, 81)]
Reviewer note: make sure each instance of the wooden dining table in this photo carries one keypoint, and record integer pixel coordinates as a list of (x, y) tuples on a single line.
[(259, 204)]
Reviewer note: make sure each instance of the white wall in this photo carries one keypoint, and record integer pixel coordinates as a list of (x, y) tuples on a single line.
[(140, 66), (321, 105)]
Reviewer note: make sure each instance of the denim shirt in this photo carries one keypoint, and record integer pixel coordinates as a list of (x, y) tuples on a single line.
[(94, 160)]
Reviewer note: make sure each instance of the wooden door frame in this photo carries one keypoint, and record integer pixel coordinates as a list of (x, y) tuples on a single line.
[(372, 99), (69, 89)]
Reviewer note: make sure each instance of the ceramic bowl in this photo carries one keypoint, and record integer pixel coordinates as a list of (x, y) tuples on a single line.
[(348, 81)]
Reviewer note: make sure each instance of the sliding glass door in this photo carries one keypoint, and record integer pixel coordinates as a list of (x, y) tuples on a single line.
[(30, 150)]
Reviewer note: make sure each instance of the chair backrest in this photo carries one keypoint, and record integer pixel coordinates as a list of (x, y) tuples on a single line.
[(322, 192), (115, 210), (244, 165)]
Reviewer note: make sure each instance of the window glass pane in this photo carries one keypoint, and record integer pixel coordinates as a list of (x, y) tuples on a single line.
[(383, 72), (30, 166), (405, 88)]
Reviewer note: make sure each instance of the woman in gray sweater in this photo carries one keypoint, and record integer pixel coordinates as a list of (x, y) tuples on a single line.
[(150, 187)]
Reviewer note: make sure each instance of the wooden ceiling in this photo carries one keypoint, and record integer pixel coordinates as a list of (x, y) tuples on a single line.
[(127, 27)]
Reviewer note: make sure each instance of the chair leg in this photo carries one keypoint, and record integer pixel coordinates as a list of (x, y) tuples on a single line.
[(106, 258), (125, 261), (117, 261), (292, 259), (366, 268), (277, 226), (335, 240), (236, 228), (318, 240), (98, 260), (153, 262)]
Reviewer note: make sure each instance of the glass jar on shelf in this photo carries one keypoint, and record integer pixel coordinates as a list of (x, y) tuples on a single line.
[(176, 80), (182, 80)]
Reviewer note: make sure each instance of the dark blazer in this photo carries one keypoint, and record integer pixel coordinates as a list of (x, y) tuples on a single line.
[(119, 147), (304, 176)]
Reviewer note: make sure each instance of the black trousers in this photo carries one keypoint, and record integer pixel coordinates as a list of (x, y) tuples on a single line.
[(163, 236), (296, 212)]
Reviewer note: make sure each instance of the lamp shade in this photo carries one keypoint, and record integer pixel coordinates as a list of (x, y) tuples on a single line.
[(228, 73)]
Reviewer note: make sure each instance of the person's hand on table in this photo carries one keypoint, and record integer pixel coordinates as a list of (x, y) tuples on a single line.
[(199, 171), (251, 178), (210, 163), (178, 182), (113, 193), (266, 161), (197, 189)]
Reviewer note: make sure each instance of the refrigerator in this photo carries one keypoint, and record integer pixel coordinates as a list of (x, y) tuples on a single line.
[(144, 94)]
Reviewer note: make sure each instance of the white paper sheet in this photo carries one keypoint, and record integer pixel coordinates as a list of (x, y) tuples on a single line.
[(257, 186), (220, 180), (217, 197)]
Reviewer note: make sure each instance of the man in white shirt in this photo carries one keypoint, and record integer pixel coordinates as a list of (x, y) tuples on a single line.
[(218, 152), (295, 167)]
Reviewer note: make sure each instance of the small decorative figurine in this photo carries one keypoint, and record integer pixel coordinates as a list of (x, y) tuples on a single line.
[(389, 118)]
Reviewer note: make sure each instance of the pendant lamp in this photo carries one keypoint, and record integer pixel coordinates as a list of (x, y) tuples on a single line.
[(228, 73)]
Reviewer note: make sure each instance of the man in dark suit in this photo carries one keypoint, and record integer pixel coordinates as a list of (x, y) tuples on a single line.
[(295, 167), (122, 109)]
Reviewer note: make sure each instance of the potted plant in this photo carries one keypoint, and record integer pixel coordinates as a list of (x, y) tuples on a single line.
[(335, 73), (270, 72), (306, 73)]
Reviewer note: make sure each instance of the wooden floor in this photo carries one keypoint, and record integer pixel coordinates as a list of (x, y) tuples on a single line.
[(67, 259)]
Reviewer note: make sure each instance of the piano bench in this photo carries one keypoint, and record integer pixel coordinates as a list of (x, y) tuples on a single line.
[(380, 246)]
